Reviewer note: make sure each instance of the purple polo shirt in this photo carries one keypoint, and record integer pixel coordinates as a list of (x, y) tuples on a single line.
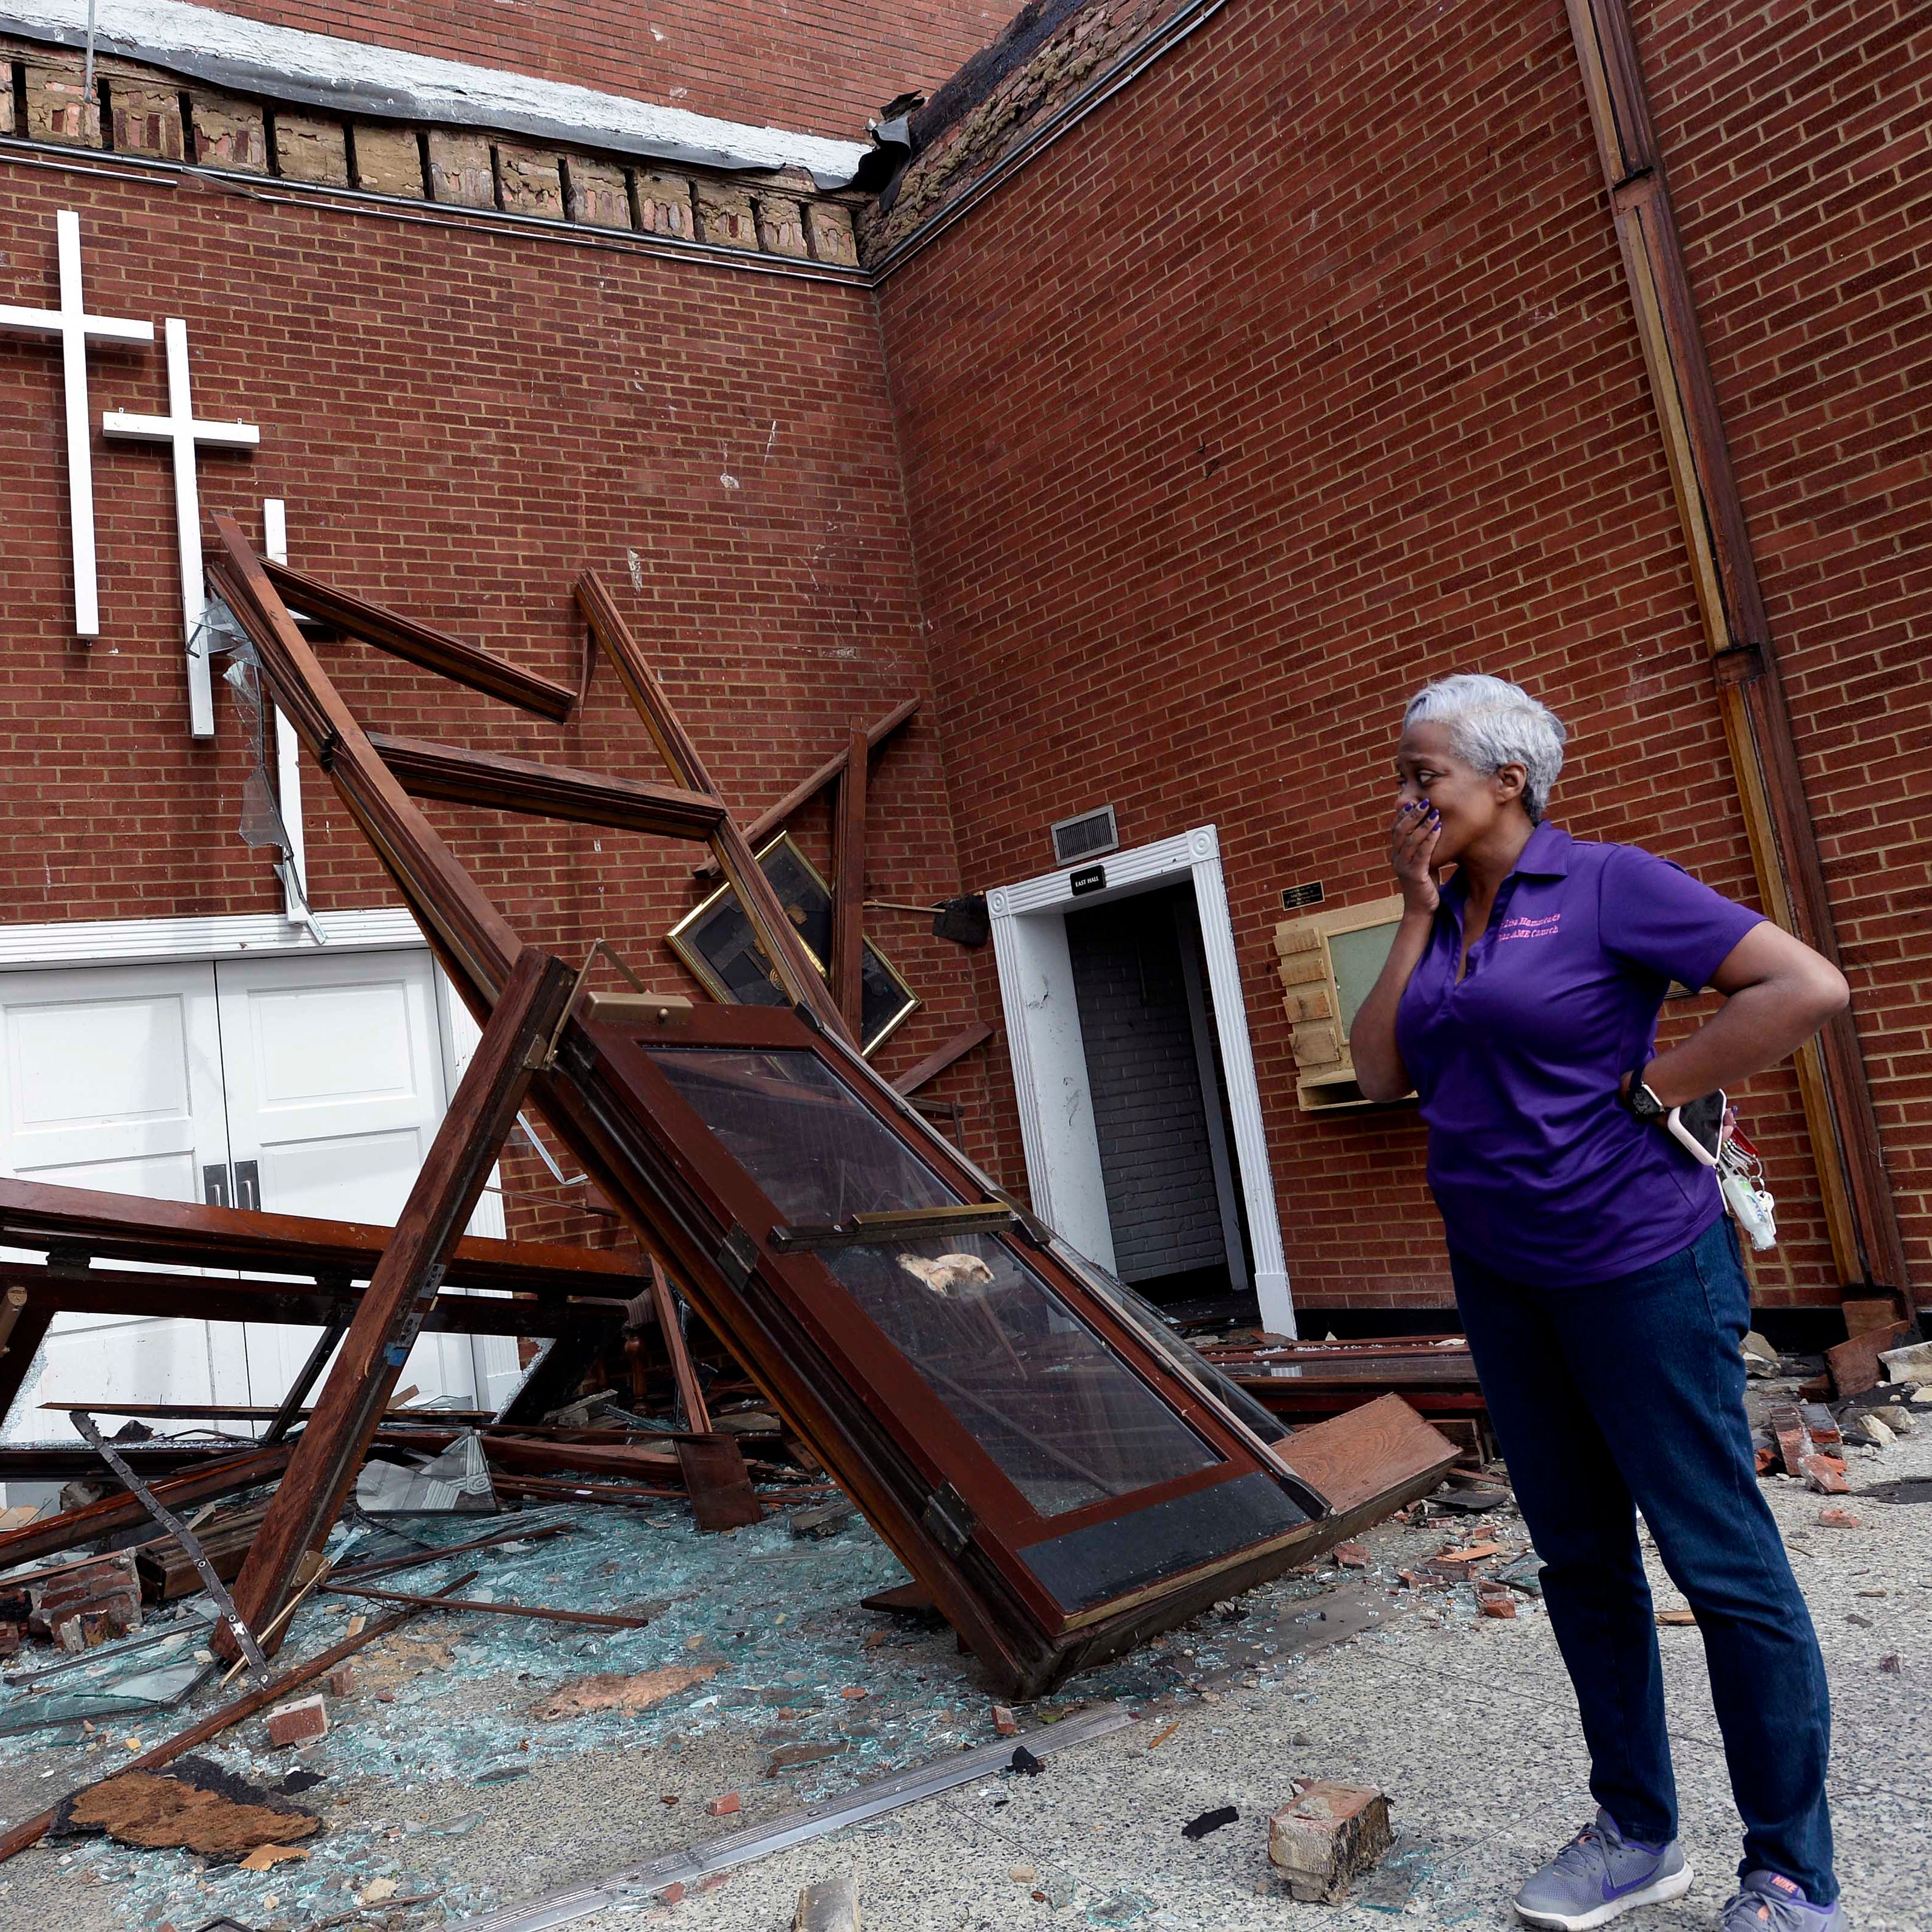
[(1539, 1174)]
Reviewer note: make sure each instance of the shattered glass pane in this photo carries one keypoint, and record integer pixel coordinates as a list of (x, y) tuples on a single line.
[(261, 812), (1065, 1422), (220, 635), (158, 1678)]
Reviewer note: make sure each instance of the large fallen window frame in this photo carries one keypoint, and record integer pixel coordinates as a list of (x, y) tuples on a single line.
[(1196, 1502)]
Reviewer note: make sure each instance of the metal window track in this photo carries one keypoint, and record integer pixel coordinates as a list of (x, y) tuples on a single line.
[(795, 1828)]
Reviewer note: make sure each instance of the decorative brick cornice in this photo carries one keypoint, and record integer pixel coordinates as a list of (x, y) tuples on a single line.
[(155, 114)]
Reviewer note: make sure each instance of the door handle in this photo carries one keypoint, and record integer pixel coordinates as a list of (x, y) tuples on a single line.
[(240, 1186)]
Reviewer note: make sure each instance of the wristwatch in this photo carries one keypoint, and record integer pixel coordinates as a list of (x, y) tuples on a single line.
[(1641, 1101)]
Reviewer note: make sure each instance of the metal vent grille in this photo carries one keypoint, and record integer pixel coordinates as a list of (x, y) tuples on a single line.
[(1085, 837)]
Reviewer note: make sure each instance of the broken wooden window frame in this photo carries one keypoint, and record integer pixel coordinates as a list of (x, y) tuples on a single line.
[(959, 1522)]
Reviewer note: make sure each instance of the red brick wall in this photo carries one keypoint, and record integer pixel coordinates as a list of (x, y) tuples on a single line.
[(1303, 372), (820, 68), (458, 427)]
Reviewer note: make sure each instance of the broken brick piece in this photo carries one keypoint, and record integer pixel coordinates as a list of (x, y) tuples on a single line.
[(1327, 1837), (1005, 1724), (723, 1807), (1793, 1439), (1351, 1556), (1832, 1516), (295, 1723), (341, 1681), (1824, 1474)]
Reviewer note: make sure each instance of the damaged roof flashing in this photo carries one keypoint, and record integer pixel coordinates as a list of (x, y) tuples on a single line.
[(353, 76)]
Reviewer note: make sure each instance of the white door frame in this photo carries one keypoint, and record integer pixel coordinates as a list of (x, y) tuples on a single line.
[(1049, 1058)]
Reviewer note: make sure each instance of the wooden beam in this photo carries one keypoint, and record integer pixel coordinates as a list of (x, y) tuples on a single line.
[(434, 650), (199, 1297), (801, 979), (132, 1228), (769, 821), (848, 890), (929, 1068), (475, 939), (464, 777), (1833, 1085), (390, 1314), (72, 1528)]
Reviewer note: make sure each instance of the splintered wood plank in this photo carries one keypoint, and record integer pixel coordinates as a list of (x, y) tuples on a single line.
[(929, 1068), (1370, 1462), (720, 1485), (848, 890), (769, 821), (72, 1528), (434, 650), (390, 1314), (464, 777)]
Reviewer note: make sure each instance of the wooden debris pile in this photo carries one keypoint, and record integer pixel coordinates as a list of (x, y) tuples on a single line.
[(1061, 1475)]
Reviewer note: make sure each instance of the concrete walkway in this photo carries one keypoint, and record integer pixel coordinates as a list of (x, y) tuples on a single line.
[(1468, 1724)]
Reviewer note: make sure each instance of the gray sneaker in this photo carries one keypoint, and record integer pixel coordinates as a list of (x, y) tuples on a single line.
[(1770, 1904), (1600, 1875)]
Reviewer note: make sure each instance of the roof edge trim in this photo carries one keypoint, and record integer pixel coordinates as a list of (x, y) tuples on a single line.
[(287, 63)]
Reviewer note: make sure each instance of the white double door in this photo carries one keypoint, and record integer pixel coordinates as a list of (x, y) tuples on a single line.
[(305, 1083)]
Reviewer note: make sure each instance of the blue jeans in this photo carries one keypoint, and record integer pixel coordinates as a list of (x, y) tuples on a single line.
[(1612, 1396)]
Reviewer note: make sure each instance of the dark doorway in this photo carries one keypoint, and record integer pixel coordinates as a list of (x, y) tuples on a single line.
[(1159, 1106)]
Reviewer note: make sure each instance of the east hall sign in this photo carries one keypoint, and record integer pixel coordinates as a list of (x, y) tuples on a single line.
[(180, 432)]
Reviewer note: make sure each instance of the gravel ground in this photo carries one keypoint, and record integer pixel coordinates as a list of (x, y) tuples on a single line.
[(1468, 1723)]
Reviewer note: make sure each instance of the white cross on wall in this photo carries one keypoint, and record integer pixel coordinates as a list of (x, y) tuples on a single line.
[(74, 326), (180, 429)]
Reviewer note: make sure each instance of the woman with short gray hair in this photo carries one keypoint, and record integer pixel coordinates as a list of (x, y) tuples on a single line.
[(1598, 1280)]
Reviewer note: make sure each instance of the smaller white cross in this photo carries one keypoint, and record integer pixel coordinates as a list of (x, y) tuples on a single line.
[(185, 435), (74, 326)]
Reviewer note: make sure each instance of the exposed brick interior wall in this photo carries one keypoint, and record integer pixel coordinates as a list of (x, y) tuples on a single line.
[(458, 427), (1303, 371), (821, 68)]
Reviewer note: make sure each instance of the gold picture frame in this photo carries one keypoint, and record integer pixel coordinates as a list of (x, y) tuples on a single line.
[(715, 941)]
